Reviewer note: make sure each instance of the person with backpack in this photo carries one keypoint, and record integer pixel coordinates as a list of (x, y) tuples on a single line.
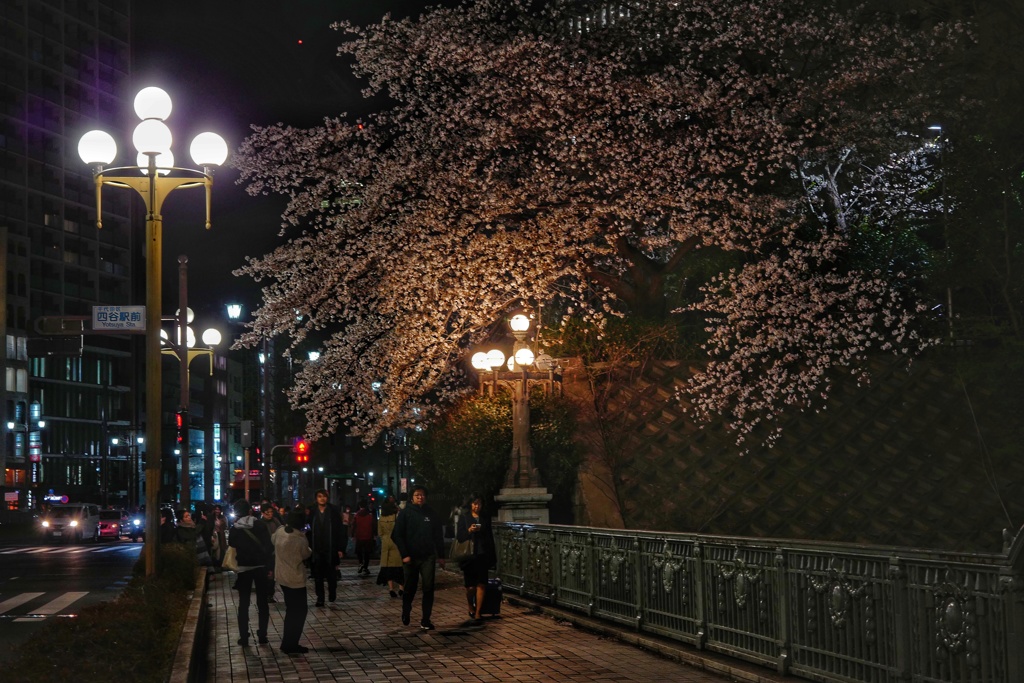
[(364, 530), (254, 550)]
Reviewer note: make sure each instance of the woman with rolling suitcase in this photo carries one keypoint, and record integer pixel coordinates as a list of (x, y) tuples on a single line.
[(476, 527)]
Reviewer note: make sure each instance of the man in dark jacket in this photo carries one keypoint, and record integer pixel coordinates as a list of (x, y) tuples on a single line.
[(253, 548), (420, 540), (327, 538)]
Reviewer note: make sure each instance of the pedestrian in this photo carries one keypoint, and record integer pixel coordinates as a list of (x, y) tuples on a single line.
[(419, 536), (364, 529), (186, 532), (168, 532), (390, 573), (218, 535), (327, 538), (270, 520), (291, 550), (253, 549), (474, 526)]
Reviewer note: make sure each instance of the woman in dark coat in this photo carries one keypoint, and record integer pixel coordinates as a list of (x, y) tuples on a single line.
[(475, 526)]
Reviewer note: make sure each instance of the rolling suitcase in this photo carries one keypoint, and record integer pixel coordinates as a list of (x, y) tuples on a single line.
[(492, 598)]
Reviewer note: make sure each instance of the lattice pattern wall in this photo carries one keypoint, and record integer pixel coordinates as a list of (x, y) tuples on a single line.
[(896, 463)]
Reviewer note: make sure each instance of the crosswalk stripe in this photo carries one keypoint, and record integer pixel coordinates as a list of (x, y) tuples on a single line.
[(73, 550), (56, 605), (11, 603)]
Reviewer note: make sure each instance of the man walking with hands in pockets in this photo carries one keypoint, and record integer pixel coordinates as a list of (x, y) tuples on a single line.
[(420, 540)]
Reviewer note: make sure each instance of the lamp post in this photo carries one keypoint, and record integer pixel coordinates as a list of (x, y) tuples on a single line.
[(523, 498), (31, 444), (151, 179), (133, 442), (185, 350)]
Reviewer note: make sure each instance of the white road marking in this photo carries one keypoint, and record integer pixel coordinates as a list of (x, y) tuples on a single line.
[(11, 603), (55, 606)]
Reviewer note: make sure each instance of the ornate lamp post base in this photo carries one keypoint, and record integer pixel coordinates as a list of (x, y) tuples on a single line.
[(523, 506)]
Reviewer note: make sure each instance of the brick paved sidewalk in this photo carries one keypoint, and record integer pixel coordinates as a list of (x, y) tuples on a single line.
[(363, 639)]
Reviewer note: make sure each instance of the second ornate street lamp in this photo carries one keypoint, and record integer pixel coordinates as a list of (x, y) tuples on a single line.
[(523, 497), (151, 178), (185, 350)]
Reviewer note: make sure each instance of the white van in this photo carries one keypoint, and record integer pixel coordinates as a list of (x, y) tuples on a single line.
[(71, 523)]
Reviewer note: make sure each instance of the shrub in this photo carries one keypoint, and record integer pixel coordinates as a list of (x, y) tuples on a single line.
[(131, 638)]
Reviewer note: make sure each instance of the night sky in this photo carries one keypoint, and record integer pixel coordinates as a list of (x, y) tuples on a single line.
[(228, 65)]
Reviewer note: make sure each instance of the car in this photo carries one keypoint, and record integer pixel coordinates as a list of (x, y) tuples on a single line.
[(137, 522), (72, 523), (112, 523), (136, 526)]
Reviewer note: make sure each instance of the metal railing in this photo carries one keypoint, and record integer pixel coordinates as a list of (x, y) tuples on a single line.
[(822, 611)]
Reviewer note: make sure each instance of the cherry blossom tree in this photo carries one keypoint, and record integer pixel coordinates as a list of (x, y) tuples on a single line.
[(580, 153)]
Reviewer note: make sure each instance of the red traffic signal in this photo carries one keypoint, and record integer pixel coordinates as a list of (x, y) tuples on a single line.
[(301, 450)]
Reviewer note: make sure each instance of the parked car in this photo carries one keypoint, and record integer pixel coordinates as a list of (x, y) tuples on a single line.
[(73, 523), (112, 523)]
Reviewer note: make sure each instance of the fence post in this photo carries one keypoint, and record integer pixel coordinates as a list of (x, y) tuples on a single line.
[(782, 604), (901, 617), (592, 574), (698, 595), (1011, 583), (638, 584)]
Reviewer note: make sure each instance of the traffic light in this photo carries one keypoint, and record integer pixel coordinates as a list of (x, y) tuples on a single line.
[(179, 424), (300, 447)]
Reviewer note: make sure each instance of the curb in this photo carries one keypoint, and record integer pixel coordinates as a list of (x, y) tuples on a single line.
[(192, 642), (671, 649)]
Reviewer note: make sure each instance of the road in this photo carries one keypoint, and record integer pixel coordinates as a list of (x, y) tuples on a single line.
[(39, 583)]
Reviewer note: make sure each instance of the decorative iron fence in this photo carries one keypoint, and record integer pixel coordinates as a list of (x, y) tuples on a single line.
[(822, 611)]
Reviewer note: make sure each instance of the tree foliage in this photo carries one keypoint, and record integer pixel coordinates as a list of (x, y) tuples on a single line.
[(566, 151), (468, 450)]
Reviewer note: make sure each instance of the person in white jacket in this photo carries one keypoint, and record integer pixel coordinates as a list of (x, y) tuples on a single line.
[(291, 550)]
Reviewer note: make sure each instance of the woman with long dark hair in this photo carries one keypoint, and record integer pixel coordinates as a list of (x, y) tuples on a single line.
[(391, 572), (475, 526)]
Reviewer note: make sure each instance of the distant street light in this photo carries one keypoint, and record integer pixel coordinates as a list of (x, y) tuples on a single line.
[(185, 350), (153, 181)]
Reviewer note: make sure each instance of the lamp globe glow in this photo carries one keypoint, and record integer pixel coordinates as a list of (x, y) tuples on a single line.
[(211, 337), (545, 362), (153, 103), (152, 137), (190, 315), (190, 337), (524, 358), (495, 358), (479, 361), (519, 323), (208, 149), (97, 147), (164, 162)]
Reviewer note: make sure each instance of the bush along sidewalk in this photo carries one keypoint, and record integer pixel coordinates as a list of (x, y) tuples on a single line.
[(131, 638)]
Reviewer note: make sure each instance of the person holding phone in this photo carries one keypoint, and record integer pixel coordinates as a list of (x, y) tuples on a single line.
[(475, 526)]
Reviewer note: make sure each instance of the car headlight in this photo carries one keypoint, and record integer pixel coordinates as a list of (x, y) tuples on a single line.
[(137, 522), (46, 523), (74, 522)]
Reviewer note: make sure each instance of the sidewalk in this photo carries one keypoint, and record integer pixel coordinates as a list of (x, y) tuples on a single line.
[(362, 639)]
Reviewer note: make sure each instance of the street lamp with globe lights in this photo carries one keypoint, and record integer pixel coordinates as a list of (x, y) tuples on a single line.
[(523, 498), (153, 180), (185, 350)]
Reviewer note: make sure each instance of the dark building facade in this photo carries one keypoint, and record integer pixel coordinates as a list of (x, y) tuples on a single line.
[(64, 69)]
